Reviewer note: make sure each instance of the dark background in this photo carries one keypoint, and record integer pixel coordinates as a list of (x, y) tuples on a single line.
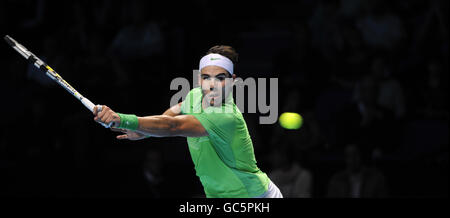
[(373, 74)]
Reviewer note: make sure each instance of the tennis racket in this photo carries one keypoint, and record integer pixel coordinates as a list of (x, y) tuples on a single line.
[(41, 65)]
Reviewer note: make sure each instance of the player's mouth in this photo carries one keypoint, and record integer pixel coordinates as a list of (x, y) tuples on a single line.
[(213, 95)]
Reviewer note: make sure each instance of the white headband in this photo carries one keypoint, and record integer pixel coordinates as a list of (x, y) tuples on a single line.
[(216, 60)]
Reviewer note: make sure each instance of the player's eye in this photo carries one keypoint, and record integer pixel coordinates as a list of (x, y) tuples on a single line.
[(205, 77), (221, 78)]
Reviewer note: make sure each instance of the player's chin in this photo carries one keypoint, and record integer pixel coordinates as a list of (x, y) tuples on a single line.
[(211, 101)]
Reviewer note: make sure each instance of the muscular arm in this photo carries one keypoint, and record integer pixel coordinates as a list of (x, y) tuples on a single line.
[(171, 123), (167, 126)]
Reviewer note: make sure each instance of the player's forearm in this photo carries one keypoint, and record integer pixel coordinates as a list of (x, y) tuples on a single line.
[(159, 126), (171, 112)]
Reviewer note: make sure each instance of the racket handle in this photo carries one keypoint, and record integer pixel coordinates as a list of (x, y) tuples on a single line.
[(88, 104), (91, 106)]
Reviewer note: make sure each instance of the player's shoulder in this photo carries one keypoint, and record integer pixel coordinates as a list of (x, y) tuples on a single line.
[(194, 93), (197, 90), (192, 99)]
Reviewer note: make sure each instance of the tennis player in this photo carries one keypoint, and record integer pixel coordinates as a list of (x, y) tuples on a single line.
[(216, 132)]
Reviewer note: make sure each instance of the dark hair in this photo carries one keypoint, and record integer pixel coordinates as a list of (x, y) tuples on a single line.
[(226, 51)]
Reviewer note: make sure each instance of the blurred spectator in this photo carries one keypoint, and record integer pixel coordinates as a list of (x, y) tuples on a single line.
[(430, 28), (72, 140), (381, 104), (298, 65), (141, 38), (290, 176), (325, 35), (353, 55), (357, 180), (433, 95), (390, 93), (153, 173), (310, 136), (38, 16), (352, 9), (95, 66), (381, 28), (136, 44), (378, 93)]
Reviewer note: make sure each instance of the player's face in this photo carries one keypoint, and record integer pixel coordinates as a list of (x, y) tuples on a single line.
[(216, 84)]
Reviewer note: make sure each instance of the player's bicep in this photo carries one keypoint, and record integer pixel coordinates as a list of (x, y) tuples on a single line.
[(173, 111), (189, 126)]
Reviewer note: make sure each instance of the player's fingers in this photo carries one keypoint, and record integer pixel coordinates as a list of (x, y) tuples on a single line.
[(110, 118), (98, 109), (98, 114), (95, 110), (101, 113), (106, 116), (120, 137), (105, 109)]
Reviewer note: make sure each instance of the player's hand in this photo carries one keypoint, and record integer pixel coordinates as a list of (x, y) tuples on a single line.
[(130, 135), (107, 116)]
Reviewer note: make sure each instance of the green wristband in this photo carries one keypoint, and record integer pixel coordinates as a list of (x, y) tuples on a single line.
[(128, 121)]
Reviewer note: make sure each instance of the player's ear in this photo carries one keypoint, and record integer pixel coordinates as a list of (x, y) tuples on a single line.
[(234, 78)]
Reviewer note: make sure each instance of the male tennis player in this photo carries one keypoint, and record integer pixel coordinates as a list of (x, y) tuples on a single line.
[(218, 139)]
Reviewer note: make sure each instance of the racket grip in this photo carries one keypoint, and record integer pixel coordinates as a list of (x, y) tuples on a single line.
[(91, 106), (88, 104)]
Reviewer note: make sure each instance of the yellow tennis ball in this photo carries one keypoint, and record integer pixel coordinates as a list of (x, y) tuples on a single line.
[(291, 120)]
